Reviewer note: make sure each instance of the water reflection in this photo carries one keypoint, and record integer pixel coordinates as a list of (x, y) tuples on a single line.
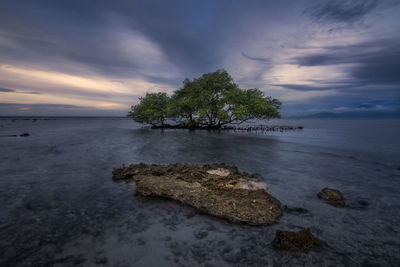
[(170, 146)]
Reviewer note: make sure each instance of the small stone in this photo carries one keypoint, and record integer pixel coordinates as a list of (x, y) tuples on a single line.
[(140, 241), (302, 240), (232, 255), (295, 209), (100, 260), (363, 203), (201, 234), (79, 260), (333, 197), (24, 134)]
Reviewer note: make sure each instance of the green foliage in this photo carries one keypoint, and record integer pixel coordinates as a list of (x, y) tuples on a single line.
[(211, 101), (251, 104), (152, 109)]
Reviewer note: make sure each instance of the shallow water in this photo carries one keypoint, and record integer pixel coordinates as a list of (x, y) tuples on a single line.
[(60, 206)]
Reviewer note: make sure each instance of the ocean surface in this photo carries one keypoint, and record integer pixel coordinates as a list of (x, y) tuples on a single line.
[(60, 207)]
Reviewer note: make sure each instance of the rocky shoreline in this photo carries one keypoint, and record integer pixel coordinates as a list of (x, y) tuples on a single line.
[(223, 191)]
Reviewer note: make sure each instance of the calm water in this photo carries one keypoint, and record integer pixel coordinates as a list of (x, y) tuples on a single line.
[(60, 207)]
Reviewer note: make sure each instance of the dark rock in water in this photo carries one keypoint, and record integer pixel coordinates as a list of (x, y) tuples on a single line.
[(232, 255), (24, 134), (201, 234), (363, 203), (100, 260), (216, 189), (295, 241), (333, 197), (79, 260), (295, 209)]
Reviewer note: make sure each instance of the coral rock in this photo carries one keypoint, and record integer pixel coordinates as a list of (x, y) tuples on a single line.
[(215, 189)]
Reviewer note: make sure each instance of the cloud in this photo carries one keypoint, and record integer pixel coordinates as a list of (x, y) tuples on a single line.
[(342, 11), (5, 90), (305, 87), (375, 108), (301, 96), (13, 109), (258, 59), (363, 108), (102, 42), (51, 87), (104, 56), (133, 39), (376, 62), (33, 93)]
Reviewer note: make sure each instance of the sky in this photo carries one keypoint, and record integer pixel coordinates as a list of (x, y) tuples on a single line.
[(95, 58)]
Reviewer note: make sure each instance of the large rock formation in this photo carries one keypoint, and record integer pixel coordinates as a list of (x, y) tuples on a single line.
[(295, 241), (333, 197), (216, 189)]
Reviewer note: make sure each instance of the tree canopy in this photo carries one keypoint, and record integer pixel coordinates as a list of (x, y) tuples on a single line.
[(210, 101)]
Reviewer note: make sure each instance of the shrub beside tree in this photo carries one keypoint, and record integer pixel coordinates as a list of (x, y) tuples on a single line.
[(152, 109), (210, 102)]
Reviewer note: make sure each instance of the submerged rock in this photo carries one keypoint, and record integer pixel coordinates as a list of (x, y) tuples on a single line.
[(201, 234), (24, 134), (295, 209), (302, 240), (333, 197), (216, 189)]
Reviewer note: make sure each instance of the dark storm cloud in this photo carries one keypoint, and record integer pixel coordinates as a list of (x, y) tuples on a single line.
[(80, 32), (342, 11), (375, 62), (5, 90), (376, 104), (373, 105), (192, 35), (373, 109)]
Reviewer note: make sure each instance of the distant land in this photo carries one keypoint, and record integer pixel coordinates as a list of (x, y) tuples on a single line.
[(354, 114)]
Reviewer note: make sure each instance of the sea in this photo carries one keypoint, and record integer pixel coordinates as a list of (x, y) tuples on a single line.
[(60, 206)]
